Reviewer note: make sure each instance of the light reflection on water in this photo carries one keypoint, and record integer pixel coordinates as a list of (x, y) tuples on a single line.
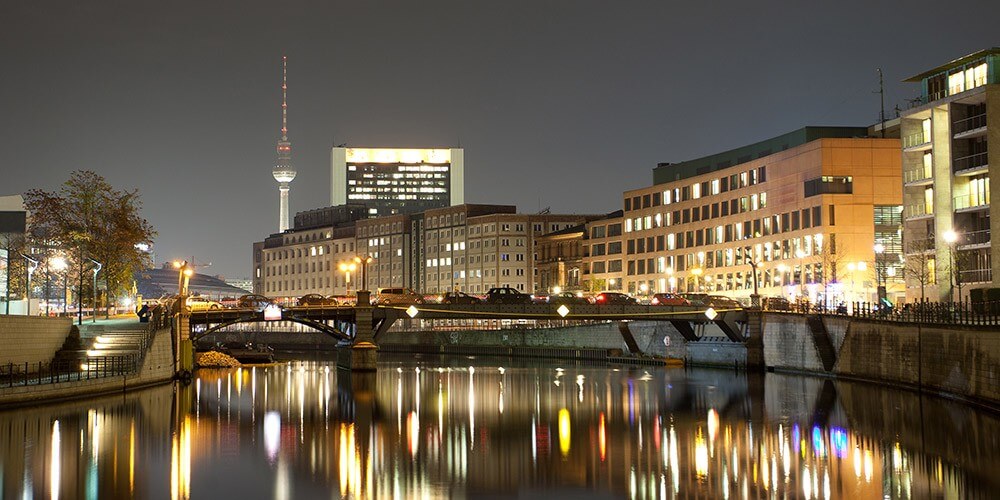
[(463, 427)]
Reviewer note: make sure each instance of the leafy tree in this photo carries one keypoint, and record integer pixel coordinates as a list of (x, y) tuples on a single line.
[(91, 219), (14, 244)]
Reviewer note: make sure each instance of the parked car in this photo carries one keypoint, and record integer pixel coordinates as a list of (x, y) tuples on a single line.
[(398, 297), (722, 302), (776, 304), (506, 295), (459, 298), (613, 298), (199, 303), (568, 298), (253, 301), (315, 299), (344, 300), (696, 299), (668, 299)]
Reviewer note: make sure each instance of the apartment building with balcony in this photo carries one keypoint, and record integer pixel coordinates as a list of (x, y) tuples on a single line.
[(801, 213), (951, 146)]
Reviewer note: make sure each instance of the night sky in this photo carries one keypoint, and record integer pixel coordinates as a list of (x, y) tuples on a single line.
[(560, 104)]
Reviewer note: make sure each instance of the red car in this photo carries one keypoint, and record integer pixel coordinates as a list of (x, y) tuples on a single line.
[(613, 298), (669, 299)]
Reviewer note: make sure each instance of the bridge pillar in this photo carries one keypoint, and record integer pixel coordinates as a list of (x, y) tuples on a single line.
[(755, 340), (363, 353), (183, 346)]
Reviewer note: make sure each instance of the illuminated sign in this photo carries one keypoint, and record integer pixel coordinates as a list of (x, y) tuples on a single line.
[(385, 155), (272, 313)]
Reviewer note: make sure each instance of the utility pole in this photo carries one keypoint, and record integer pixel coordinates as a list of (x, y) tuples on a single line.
[(881, 98)]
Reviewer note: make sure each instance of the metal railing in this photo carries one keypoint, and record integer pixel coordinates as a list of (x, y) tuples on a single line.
[(917, 139), (962, 313), (923, 172), (969, 201), (969, 162), (970, 123), (917, 210), (976, 275), (975, 238), (67, 370)]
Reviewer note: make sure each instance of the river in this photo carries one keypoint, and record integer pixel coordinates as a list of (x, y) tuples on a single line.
[(467, 427)]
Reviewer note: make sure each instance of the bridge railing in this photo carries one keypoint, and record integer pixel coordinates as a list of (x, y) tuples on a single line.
[(950, 313)]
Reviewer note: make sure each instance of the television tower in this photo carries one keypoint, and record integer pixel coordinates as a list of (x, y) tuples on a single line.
[(283, 170)]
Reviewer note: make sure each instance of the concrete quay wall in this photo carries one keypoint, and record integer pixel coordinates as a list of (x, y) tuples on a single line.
[(31, 339), (951, 360), (157, 367)]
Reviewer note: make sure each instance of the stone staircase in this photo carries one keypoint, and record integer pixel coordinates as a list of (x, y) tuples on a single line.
[(104, 348)]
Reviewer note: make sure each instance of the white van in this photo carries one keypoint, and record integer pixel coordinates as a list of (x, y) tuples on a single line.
[(397, 297)]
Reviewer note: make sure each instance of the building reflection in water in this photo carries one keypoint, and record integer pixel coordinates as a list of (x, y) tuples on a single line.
[(459, 428)]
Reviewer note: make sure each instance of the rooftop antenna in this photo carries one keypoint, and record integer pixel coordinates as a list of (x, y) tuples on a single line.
[(881, 97)]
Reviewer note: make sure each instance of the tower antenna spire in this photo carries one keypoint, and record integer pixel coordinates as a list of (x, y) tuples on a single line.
[(283, 170), (284, 98)]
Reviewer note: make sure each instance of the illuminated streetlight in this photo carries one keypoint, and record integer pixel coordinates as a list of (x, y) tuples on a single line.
[(696, 272), (951, 238), (880, 272), (347, 268), (364, 261)]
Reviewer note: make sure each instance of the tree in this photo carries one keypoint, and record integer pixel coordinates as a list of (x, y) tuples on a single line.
[(918, 268), (91, 219), (14, 245)]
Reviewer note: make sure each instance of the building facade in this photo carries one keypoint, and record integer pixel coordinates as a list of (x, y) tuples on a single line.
[(560, 263), (802, 212), (951, 146), (471, 248), (602, 261), (397, 181)]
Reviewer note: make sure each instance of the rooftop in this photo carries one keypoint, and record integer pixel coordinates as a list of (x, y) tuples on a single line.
[(961, 61), (668, 172)]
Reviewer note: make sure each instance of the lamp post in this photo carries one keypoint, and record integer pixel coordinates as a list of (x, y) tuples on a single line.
[(364, 261), (611, 283), (880, 272), (32, 265), (696, 272), (97, 269), (59, 264), (347, 268), (755, 298), (802, 272), (951, 237)]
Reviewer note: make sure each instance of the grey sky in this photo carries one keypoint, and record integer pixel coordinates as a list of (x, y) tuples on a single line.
[(557, 103)]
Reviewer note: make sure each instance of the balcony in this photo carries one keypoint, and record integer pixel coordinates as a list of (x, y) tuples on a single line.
[(967, 203), (916, 142), (919, 245), (974, 239), (919, 176), (971, 165), (976, 275), (972, 126), (918, 211)]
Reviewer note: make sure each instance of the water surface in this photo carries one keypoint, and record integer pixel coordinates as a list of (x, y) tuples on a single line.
[(465, 427)]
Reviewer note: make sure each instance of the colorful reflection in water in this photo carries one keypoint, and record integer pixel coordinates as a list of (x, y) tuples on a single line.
[(459, 427)]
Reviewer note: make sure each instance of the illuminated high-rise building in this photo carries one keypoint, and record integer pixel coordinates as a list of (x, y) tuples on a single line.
[(283, 171), (397, 181)]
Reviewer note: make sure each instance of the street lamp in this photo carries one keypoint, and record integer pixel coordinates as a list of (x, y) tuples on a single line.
[(802, 272), (755, 298), (347, 268), (696, 272), (32, 265), (951, 237), (97, 269), (611, 283), (880, 272), (60, 264), (364, 261)]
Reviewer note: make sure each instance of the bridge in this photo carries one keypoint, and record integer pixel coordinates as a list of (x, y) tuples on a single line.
[(340, 321)]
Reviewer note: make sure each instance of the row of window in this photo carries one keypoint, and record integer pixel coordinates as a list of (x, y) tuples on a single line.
[(734, 206), (698, 190), (793, 248)]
